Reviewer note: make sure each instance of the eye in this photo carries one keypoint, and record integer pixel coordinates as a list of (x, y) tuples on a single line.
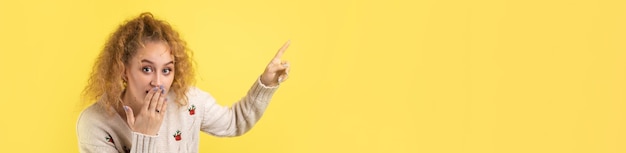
[(146, 69), (167, 71)]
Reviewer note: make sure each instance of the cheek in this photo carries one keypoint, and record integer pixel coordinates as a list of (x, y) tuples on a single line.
[(138, 81), (170, 81)]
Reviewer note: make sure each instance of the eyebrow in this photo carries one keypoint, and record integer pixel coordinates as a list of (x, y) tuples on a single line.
[(148, 61)]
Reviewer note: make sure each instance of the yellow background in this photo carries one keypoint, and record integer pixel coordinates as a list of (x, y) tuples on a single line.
[(432, 76)]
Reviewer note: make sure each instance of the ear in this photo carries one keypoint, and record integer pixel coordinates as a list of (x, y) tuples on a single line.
[(125, 75)]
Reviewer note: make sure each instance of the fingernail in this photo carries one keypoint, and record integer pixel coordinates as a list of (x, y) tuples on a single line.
[(126, 108), (155, 88)]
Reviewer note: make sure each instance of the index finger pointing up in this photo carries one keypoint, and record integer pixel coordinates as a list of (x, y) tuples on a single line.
[(282, 50)]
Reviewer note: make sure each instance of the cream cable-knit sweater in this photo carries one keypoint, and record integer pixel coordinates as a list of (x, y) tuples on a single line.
[(180, 132)]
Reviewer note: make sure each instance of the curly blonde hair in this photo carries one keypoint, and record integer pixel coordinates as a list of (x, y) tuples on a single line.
[(105, 84)]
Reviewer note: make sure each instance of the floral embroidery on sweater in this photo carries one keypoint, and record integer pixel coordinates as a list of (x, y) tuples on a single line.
[(177, 135), (109, 138), (192, 110)]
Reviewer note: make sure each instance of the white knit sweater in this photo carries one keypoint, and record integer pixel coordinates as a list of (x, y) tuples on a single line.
[(98, 131)]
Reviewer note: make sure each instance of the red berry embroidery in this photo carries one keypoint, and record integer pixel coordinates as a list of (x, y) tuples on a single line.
[(192, 110), (109, 138), (177, 135)]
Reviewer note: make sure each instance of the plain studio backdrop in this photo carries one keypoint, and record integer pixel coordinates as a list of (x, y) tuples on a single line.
[(433, 76)]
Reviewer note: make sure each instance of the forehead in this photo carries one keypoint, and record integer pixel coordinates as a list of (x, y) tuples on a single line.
[(157, 52)]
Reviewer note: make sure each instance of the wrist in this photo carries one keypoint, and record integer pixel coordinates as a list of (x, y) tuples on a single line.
[(268, 83)]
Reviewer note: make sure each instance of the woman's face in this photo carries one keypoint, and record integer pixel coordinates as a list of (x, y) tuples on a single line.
[(152, 66)]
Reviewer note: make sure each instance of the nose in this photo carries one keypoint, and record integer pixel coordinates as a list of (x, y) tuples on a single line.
[(156, 81)]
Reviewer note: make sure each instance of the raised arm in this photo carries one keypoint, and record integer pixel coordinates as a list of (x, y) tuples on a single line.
[(240, 117)]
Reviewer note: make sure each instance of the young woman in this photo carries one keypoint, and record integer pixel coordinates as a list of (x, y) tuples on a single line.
[(141, 82)]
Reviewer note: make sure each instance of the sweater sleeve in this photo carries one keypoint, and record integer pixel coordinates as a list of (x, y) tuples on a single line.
[(89, 148), (97, 135), (240, 117), (143, 143), (92, 133)]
